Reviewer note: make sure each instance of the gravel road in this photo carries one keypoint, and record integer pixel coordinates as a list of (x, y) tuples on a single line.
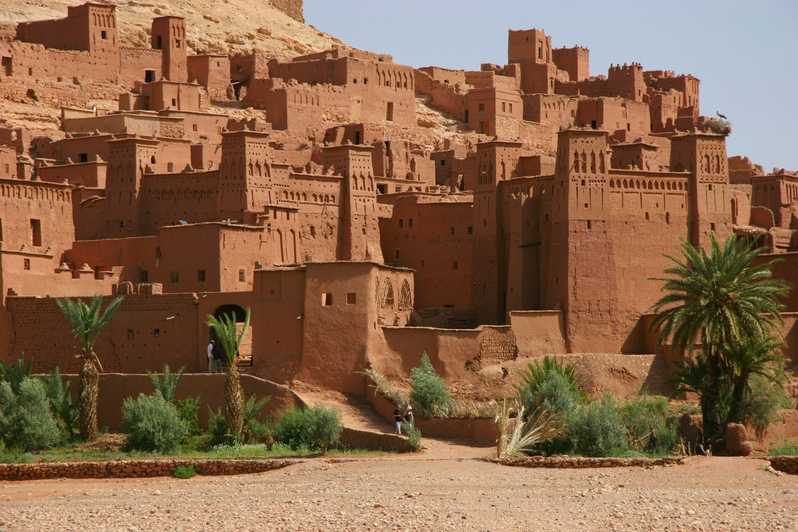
[(418, 494)]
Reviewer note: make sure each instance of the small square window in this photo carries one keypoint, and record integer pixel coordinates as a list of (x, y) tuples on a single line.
[(351, 298), (84, 157), (26, 264), (326, 299), (201, 276), (470, 229), (174, 277), (103, 34), (242, 275)]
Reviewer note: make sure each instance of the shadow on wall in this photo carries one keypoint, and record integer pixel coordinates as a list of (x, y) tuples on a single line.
[(116, 387)]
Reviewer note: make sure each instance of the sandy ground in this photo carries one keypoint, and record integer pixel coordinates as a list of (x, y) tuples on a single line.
[(419, 494)]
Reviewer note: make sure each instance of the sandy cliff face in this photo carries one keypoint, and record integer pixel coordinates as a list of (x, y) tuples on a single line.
[(213, 26)]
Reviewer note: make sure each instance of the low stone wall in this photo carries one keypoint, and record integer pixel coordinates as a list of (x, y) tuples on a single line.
[(786, 464), (136, 468), (579, 462), (374, 441)]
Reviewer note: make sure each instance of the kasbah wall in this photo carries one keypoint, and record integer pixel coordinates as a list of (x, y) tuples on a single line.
[(357, 234)]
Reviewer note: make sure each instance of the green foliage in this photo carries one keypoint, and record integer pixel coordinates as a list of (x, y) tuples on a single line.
[(63, 407), (762, 405), (188, 411), (88, 319), (315, 428), (649, 425), (227, 333), (786, 449), (551, 386), (26, 421), (184, 472), (167, 382), (719, 300), (15, 373), (413, 435), (256, 430), (520, 433), (384, 387), (152, 424), (597, 429), (428, 392)]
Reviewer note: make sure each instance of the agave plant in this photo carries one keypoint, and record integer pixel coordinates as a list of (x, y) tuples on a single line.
[(87, 321), (226, 331), (519, 435)]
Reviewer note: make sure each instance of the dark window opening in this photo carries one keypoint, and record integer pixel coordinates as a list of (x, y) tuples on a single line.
[(357, 137), (149, 76), (6, 63), (201, 276), (36, 232), (326, 299), (389, 112), (351, 298), (242, 276), (103, 34), (144, 277), (594, 124), (26, 264), (178, 44), (174, 102), (174, 277), (159, 42), (84, 157)]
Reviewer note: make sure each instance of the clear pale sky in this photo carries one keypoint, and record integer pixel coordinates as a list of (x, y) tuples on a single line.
[(744, 52)]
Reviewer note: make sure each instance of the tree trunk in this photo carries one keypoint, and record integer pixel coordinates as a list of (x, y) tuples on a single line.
[(737, 399), (710, 408), (233, 401), (89, 390)]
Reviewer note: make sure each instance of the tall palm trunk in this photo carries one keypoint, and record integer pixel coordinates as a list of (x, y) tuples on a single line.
[(737, 399), (710, 411), (89, 390), (233, 400)]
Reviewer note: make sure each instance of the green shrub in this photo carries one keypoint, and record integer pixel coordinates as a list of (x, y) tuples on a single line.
[(762, 405), (188, 410), (255, 430), (167, 382), (152, 424), (64, 409), (428, 392), (649, 425), (184, 472), (413, 435), (786, 449), (311, 428), (550, 385), (15, 373), (597, 429), (26, 421)]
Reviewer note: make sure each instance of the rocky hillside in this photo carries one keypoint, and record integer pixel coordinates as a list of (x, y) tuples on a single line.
[(213, 25)]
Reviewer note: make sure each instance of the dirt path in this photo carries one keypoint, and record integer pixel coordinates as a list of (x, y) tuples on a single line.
[(705, 494)]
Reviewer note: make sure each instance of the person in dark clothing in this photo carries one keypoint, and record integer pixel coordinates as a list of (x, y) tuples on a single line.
[(219, 356), (397, 420)]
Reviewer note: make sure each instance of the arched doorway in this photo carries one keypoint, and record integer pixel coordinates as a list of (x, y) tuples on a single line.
[(240, 315)]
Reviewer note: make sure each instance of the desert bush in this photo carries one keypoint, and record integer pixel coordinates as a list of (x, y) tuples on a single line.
[(428, 392), (167, 382), (550, 385), (188, 411), (152, 424), (254, 430), (413, 435), (184, 472), (597, 429), (649, 425), (762, 405), (63, 407), (384, 387), (15, 373), (520, 434), (26, 420), (309, 428)]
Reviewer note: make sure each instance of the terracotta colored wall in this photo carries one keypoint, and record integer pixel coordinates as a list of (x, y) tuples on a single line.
[(538, 332)]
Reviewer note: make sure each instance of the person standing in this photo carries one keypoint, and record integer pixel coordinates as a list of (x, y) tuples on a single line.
[(409, 418), (397, 420), (211, 358)]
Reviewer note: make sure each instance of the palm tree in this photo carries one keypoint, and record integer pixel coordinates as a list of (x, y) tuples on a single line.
[(756, 355), (230, 339), (715, 300), (87, 321)]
